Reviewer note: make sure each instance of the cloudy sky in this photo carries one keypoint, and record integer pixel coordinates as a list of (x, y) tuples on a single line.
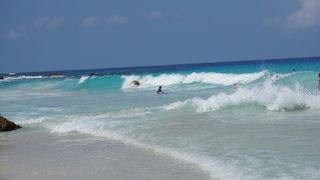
[(38, 35)]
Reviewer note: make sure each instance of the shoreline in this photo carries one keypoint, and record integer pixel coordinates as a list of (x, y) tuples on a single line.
[(48, 156)]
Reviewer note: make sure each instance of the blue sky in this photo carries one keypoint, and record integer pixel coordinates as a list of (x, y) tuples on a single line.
[(39, 35)]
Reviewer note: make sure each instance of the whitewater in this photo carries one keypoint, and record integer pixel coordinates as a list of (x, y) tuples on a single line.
[(240, 120)]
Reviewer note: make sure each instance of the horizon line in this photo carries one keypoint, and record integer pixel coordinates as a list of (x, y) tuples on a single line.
[(164, 65)]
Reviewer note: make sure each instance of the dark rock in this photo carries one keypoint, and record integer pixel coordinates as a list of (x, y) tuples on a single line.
[(135, 82), (1, 78), (6, 125), (56, 75), (94, 74)]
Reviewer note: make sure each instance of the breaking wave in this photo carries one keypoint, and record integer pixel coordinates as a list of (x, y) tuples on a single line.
[(93, 126), (83, 79), (23, 77), (203, 77), (272, 97)]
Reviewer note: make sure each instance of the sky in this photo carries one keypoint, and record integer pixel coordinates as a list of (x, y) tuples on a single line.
[(44, 35)]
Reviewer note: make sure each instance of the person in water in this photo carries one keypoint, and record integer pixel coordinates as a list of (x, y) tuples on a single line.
[(319, 81), (160, 90)]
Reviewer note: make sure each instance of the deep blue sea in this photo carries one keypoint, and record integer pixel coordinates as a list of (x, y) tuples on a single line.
[(232, 120)]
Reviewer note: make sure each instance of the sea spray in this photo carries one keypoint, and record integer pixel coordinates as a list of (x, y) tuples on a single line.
[(273, 97), (203, 77), (83, 79)]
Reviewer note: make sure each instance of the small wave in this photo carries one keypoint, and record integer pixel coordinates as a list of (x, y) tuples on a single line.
[(39, 120), (203, 77), (83, 79), (215, 168), (23, 77), (273, 97)]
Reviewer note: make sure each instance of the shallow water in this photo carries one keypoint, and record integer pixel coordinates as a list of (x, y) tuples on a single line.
[(264, 127), (41, 156)]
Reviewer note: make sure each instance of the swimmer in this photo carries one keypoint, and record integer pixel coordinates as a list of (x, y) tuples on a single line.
[(160, 90)]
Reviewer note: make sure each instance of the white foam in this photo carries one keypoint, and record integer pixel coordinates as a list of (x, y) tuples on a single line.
[(215, 168), (23, 77), (277, 76), (175, 105), (38, 120), (203, 77), (273, 97), (83, 79)]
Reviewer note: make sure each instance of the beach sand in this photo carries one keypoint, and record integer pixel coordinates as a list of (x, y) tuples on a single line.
[(43, 156)]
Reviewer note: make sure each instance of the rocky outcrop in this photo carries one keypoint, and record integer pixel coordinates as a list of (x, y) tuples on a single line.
[(1, 78), (6, 125), (135, 82)]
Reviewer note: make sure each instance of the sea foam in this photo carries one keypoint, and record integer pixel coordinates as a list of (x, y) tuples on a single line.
[(83, 79), (202, 77), (272, 97), (93, 126), (23, 77)]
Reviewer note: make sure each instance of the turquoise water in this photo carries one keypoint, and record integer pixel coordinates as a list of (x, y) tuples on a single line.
[(240, 120)]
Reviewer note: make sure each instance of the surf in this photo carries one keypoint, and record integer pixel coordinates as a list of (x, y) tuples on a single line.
[(224, 79), (269, 95)]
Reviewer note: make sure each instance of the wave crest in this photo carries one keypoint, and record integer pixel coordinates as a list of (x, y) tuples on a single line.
[(203, 77), (273, 97), (23, 77), (83, 79)]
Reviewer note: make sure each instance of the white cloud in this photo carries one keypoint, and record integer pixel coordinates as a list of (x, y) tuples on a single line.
[(40, 22), (307, 16), (15, 34), (55, 22), (117, 20), (155, 15), (47, 22), (89, 21)]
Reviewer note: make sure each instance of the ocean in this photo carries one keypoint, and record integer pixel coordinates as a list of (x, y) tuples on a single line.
[(231, 120)]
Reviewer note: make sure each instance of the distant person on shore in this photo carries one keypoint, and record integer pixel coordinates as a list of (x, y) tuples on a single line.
[(319, 81), (160, 90), (136, 83)]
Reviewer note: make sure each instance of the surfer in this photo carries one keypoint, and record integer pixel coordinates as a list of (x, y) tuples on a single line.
[(160, 90), (319, 81), (135, 82)]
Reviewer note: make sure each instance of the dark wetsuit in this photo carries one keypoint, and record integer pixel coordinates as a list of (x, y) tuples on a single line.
[(160, 90)]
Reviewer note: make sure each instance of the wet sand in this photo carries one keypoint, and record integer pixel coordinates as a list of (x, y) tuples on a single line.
[(43, 156)]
